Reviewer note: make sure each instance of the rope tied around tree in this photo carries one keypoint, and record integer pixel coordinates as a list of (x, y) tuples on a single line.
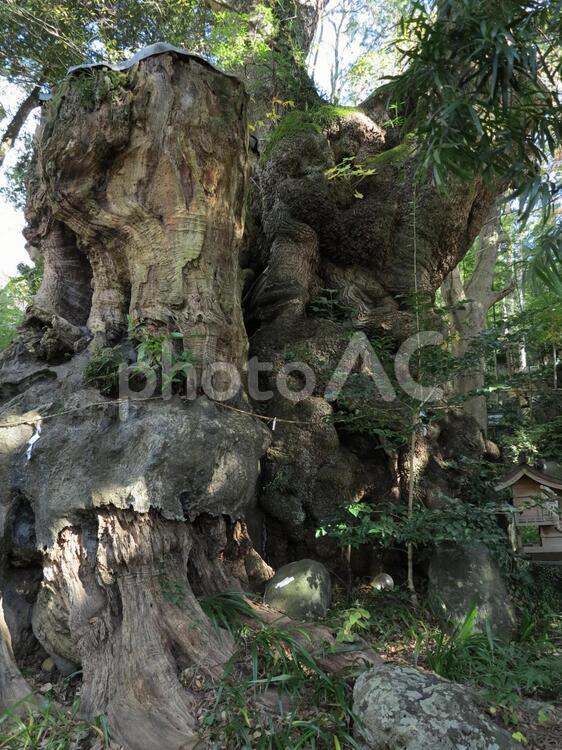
[(38, 417)]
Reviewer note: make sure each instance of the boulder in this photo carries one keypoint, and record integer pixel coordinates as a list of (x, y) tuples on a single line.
[(461, 575), (492, 451), (400, 708), (301, 589)]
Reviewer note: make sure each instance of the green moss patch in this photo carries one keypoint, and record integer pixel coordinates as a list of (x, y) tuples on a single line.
[(90, 89), (314, 120)]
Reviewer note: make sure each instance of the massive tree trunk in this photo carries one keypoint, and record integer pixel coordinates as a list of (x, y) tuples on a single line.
[(136, 186), (138, 206)]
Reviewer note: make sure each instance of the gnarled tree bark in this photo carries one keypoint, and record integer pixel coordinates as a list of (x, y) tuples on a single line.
[(13, 688), (374, 243)]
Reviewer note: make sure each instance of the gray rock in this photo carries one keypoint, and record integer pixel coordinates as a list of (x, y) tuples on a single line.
[(464, 574), (302, 589), (65, 667), (400, 708)]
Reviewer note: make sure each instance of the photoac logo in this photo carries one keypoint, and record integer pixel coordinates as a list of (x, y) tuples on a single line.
[(221, 381)]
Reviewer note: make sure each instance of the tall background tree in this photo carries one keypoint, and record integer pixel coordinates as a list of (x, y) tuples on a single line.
[(469, 300)]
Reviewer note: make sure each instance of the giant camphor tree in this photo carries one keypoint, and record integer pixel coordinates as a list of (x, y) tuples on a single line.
[(157, 219)]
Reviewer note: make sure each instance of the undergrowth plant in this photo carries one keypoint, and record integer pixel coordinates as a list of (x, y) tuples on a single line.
[(328, 305), (160, 352), (102, 371), (502, 671), (353, 620), (156, 352), (45, 726), (314, 705), (228, 610), (386, 619)]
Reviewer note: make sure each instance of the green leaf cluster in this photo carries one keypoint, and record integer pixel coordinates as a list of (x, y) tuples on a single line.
[(152, 347), (391, 525), (480, 89), (15, 296)]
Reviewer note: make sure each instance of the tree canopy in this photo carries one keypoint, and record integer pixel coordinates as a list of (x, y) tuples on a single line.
[(480, 88)]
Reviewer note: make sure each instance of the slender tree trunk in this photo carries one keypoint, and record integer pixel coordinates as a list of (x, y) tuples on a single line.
[(522, 363), (10, 135), (335, 72), (317, 47), (411, 490), (469, 302)]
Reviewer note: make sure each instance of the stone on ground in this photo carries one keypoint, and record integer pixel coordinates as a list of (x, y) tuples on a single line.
[(462, 575), (48, 665), (301, 589), (400, 708)]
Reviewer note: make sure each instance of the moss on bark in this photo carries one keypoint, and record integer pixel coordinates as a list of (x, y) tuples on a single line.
[(297, 122)]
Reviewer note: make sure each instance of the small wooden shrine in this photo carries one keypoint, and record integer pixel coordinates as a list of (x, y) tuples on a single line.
[(537, 496)]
